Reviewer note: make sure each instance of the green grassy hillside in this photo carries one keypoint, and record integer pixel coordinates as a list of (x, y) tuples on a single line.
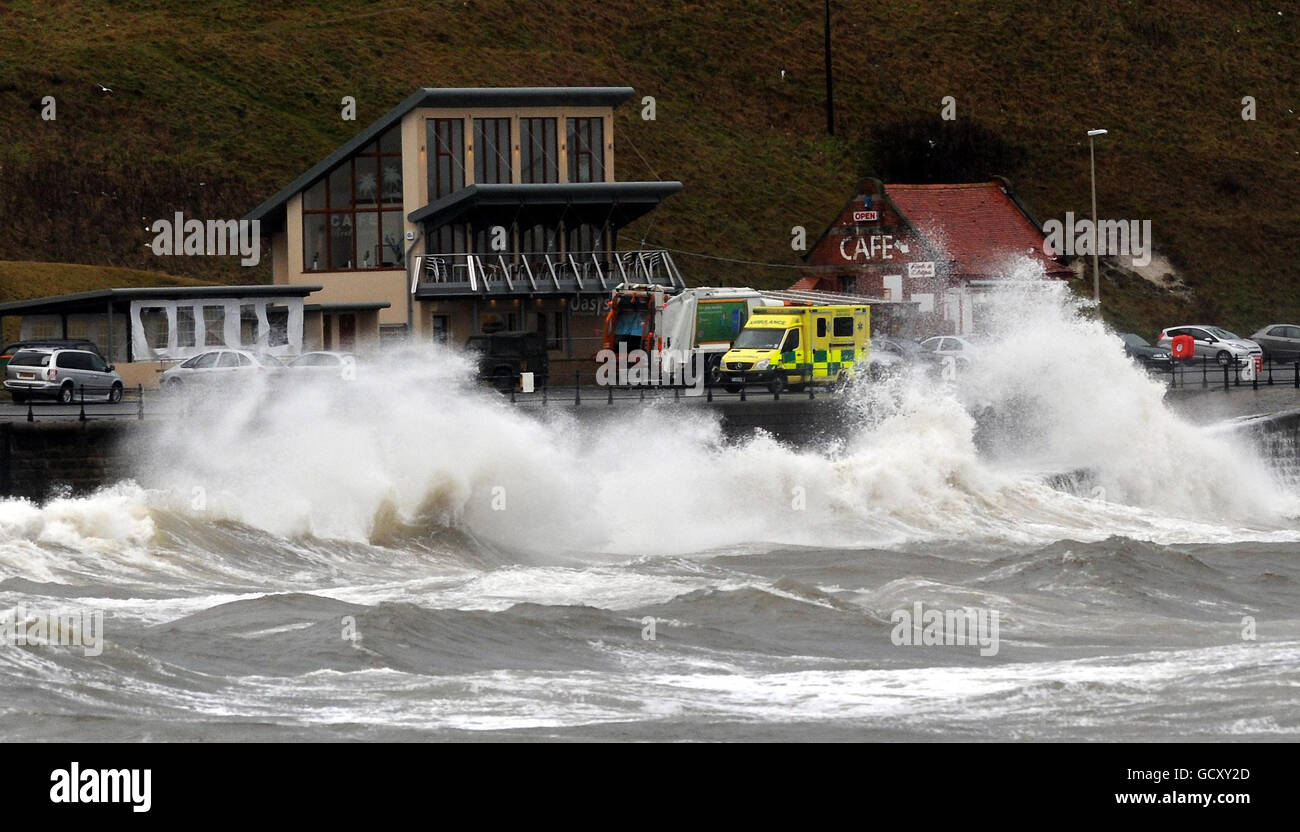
[(23, 280), (214, 106)]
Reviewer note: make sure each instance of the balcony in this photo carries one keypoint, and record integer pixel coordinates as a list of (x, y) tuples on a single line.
[(540, 273)]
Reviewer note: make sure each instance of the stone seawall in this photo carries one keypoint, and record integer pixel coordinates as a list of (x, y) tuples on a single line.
[(38, 459)]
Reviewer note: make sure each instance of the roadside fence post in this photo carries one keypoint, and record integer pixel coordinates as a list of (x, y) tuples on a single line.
[(577, 387), (1226, 388), (82, 416)]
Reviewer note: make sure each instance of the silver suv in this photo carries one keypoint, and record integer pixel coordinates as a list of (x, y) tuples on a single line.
[(64, 375)]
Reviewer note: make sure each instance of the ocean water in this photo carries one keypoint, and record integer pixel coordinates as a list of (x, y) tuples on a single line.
[(408, 557)]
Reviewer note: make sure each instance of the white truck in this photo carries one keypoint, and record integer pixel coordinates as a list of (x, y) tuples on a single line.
[(700, 321)]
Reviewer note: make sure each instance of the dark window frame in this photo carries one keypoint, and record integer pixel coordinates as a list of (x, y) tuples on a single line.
[(493, 162), (443, 149), (578, 132), (376, 153), (534, 155)]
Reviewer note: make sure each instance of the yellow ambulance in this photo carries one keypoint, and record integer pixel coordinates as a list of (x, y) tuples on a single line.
[(784, 346)]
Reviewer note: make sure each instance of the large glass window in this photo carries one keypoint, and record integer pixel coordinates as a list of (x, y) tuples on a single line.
[(492, 151), (445, 143), (352, 219), (539, 152), (586, 144)]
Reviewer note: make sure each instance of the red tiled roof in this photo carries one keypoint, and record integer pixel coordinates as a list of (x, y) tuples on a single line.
[(977, 224), (814, 284)]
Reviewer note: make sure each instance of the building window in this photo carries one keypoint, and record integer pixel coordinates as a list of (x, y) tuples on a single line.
[(445, 141), (352, 219), (492, 151), (247, 324), (555, 332), (586, 142), (449, 239), (585, 238), (185, 326), (153, 321), (538, 238), (539, 155), (214, 325), (277, 317)]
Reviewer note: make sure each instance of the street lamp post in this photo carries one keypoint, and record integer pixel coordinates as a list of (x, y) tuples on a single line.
[(1096, 270), (830, 92)]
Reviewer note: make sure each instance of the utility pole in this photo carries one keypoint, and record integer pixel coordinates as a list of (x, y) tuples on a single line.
[(830, 91), (1096, 243)]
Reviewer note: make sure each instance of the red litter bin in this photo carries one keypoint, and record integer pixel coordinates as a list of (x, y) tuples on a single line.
[(1183, 347)]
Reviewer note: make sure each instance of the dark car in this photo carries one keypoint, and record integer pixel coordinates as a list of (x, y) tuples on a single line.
[(47, 344), (1280, 342), (504, 355), (1140, 350)]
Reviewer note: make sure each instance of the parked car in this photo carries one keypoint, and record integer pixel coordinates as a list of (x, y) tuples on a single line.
[(1212, 341), (324, 364), (502, 356), (48, 343), (960, 349), (1280, 342), (61, 374), (890, 354), (216, 366), (1140, 350)]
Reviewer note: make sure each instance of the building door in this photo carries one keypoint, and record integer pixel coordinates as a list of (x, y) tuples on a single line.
[(327, 332), (347, 332), (442, 329)]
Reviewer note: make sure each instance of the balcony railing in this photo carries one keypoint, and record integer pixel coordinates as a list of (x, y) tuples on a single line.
[(541, 272)]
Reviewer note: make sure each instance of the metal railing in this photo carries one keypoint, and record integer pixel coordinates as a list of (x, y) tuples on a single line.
[(542, 272), (1206, 373)]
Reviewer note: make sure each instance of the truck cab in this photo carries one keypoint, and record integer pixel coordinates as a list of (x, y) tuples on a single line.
[(794, 346)]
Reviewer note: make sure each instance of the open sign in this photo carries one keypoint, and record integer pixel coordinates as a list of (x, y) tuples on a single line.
[(865, 216)]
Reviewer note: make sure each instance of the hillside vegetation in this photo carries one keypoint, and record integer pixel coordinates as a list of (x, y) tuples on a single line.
[(214, 106)]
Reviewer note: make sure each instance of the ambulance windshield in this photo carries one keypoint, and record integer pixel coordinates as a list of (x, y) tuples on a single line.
[(759, 339)]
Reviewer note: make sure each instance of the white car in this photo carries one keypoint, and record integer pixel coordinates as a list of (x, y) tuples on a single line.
[(216, 366), (324, 364), (961, 350)]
